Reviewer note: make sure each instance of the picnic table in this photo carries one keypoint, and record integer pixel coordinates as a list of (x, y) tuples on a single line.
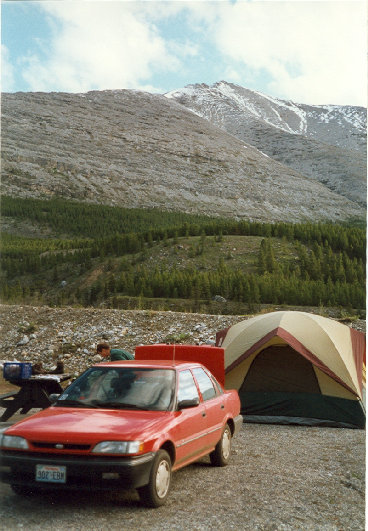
[(34, 392)]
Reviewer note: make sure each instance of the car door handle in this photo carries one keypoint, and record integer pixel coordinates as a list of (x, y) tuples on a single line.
[(203, 413), (222, 406)]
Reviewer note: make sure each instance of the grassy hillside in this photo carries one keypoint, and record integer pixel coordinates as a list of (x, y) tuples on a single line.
[(63, 253)]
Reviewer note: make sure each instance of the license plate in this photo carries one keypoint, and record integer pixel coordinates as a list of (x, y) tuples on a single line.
[(51, 473)]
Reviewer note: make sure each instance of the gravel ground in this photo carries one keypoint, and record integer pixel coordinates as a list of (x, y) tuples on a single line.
[(280, 478)]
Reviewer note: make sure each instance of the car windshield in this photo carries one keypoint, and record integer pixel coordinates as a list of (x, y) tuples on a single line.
[(121, 388)]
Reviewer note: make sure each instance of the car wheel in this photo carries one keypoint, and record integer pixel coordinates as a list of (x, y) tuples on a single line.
[(221, 454), (155, 493), (22, 490)]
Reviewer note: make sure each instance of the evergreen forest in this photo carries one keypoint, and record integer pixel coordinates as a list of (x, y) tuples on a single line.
[(60, 253)]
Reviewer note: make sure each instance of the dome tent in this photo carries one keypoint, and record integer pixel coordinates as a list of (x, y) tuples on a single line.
[(296, 368)]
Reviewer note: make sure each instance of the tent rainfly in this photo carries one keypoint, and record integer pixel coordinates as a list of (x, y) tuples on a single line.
[(296, 368)]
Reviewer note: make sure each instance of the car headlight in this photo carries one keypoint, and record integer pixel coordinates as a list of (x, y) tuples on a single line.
[(12, 441), (118, 447)]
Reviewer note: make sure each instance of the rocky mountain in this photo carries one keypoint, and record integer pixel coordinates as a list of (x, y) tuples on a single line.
[(136, 149), (325, 142)]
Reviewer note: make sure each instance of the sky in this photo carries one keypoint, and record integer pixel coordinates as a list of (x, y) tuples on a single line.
[(307, 51)]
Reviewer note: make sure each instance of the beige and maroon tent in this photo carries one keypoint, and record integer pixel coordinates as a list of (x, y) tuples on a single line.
[(296, 368)]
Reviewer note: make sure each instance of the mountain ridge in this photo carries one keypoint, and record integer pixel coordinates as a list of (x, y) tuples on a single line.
[(308, 115), (136, 149), (323, 142)]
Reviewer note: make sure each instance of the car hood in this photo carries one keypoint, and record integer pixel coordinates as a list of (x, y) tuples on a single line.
[(90, 425)]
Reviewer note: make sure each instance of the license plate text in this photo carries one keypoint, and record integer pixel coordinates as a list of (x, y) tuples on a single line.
[(51, 474)]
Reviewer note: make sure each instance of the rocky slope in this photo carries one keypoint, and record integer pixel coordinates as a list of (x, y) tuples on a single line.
[(324, 142), (137, 149), (44, 334)]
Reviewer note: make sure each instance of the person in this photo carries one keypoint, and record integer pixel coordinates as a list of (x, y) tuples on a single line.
[(114, 354)]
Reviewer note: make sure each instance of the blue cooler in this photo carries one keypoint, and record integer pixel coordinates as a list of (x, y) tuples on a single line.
[(17, 370)]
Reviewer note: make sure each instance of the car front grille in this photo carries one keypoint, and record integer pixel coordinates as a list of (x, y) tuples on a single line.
[(60, 446)]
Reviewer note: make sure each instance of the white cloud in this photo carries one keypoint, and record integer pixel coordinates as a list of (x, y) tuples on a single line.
[(7, 70), (101, 46), (308, 51), (312, 52)]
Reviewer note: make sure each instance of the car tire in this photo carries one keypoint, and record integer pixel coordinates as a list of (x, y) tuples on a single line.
[(22, 490), (221, 454), (155, 493)]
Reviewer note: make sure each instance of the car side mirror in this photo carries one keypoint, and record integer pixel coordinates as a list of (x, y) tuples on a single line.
[(53, 397), (192, 402)]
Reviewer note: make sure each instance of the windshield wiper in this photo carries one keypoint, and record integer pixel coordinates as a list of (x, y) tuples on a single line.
[(120, 405), (62, 403)]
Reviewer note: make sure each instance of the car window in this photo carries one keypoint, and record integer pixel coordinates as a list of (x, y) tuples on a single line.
[(204, 383), (133, 388), (95, 383), (217, 385), (187, 388)]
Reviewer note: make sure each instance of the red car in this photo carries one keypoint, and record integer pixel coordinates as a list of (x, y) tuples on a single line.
[(125, 424)]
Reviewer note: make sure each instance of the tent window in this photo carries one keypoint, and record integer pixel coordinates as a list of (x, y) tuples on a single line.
[(280, 369)]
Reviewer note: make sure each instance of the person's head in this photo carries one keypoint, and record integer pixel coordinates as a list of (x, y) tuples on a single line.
[(103, 349)]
